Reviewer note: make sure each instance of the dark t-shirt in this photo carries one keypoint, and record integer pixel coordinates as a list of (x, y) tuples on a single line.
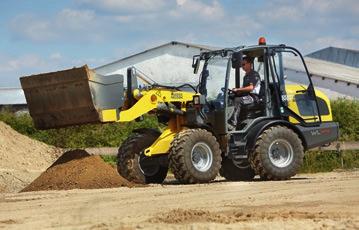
[(252, 78)]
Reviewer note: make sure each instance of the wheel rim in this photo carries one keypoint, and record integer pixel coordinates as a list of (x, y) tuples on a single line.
[(280, 153), (201, 156)]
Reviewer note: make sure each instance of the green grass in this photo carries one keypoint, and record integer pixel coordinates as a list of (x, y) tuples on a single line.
[(112, 160), (327, 161), (92, 135), (346, 112)]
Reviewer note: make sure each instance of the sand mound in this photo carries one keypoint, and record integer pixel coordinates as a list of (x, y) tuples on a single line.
[(78, 170), (22, 159)]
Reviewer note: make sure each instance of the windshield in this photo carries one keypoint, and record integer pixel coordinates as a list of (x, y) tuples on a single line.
[(217, 68)]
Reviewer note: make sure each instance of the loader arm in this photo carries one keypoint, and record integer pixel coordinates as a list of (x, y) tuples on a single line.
[(151, 100), (155, 100)]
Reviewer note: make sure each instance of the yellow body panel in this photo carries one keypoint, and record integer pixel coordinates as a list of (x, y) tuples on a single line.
[(162, 144), (291, 91), (109, 114)]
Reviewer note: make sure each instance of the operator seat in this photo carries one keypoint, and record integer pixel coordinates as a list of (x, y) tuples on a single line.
[(257, 108)]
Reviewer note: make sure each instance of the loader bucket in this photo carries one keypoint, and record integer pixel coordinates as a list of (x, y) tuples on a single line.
[(71, 97)]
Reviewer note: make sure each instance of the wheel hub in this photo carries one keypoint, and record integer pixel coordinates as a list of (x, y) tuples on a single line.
[(280, 153), (201, 156)]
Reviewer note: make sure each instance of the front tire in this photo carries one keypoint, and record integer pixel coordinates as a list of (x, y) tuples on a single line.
[(278, 154), (134, 166), (195, 156)]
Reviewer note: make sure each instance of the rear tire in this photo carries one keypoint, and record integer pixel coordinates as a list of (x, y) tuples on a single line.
[(194, 156), (234, 173), (278, 154), (130, 156)]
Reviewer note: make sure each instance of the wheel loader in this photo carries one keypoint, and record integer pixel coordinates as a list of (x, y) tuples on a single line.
[(197, 144)]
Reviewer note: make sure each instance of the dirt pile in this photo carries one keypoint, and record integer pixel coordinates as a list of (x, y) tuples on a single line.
[(22, 159), (78, 170)]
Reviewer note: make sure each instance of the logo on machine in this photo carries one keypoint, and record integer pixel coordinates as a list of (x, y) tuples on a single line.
[(175, 95), (318, 132), (315, 132)]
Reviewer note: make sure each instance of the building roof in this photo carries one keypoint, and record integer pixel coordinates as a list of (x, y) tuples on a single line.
[(337, 55), (326, 69), (316, 66), (172, 43), (12, 96)]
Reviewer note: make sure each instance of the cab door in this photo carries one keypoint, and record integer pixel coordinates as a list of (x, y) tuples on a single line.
[(296, 94)]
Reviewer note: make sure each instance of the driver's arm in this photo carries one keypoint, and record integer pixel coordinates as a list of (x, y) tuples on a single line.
[(244, 89)]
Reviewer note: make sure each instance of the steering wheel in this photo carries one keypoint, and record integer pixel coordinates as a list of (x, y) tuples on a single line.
[(231, 93), (224, 90)]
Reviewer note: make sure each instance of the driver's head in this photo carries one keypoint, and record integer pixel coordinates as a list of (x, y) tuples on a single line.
[(247, 64)]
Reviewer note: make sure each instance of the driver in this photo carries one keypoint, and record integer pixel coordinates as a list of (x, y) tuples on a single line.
[(249, 91)]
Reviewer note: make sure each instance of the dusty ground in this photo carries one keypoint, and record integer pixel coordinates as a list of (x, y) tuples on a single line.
[(311, 201)]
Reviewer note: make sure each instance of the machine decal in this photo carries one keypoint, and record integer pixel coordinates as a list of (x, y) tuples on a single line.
[(176, 95)]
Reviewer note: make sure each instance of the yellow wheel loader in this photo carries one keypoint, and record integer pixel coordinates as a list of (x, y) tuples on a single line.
[(269, 140)]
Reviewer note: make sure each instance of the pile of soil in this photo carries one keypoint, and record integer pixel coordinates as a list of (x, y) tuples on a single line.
[(77, 169), (22, 159)]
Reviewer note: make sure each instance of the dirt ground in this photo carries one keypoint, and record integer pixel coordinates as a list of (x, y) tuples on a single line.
[(308, 201)]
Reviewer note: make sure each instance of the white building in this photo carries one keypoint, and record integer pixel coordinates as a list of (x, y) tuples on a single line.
[(171, 63)]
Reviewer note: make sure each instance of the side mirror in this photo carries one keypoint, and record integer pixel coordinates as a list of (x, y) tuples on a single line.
[(195, 64), (237, 60)]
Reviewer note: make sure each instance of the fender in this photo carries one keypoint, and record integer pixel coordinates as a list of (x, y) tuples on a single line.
[(258, 128)]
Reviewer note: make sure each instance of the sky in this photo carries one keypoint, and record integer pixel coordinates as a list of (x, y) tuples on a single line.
[(49, 35)]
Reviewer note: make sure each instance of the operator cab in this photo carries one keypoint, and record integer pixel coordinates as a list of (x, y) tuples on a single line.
[(284, 94)]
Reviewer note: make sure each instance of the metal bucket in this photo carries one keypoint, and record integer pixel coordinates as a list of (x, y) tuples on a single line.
[(71, 97)]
